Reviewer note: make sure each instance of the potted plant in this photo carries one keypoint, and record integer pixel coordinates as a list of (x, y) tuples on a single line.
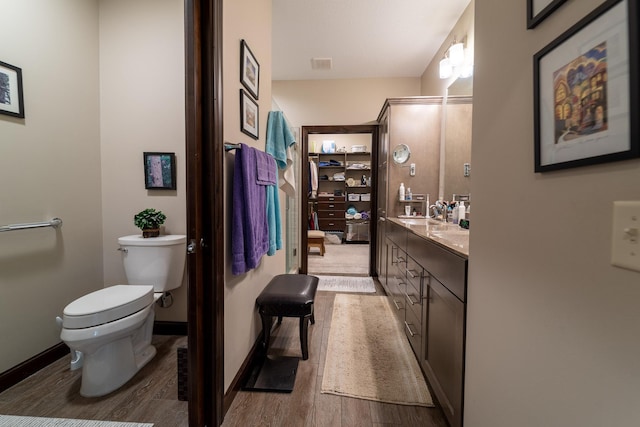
[(149, 221)]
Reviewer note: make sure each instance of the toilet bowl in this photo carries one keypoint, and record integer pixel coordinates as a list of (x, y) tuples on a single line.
[(109, 331)]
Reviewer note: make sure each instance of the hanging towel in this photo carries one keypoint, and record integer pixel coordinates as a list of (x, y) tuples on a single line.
[(279, 141), (273, 218), (250, 229), (266, 171), (313, 179)]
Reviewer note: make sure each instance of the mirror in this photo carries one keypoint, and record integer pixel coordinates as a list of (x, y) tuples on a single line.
[(401, 154), (455, 166)]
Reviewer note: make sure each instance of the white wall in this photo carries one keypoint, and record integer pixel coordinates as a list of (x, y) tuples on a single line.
[(49, 167), (249, 20), (103, 82), (552, 336), (431, 84), (339, 102), (142, 108)]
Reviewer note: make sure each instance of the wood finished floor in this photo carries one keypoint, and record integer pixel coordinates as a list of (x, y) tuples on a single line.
[(306, 406), (151, 396)]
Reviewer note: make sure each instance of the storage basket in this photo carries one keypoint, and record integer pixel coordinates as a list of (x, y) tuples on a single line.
[(358, 148), (365, 197), (354, 197)]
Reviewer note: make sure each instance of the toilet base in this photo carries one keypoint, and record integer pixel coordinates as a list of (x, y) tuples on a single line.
[(112, 366), (108, 367)]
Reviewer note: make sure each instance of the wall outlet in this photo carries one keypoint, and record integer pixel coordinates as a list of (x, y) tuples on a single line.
[(412, 169), (625, 236)]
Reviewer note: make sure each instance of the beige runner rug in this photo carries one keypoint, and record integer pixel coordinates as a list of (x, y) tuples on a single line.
[(368, 355)]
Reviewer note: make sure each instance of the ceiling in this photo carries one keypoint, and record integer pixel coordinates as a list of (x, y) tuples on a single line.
[(364, 38)]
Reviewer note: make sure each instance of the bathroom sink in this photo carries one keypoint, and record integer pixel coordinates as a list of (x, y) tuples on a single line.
[(413, 221)]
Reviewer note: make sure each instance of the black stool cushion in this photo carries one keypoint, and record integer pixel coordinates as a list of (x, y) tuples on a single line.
[(289, 295)]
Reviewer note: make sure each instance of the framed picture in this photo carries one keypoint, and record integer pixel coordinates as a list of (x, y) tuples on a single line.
[(249, 115), (11, 98), (538, 10), (249, 70), (159, 171), (585, 101)]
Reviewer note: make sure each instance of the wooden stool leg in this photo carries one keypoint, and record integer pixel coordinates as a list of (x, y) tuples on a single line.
[(267, 321), (304, 329)]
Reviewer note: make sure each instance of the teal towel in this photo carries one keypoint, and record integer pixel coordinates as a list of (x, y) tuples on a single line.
[(273, 219), (279, 138)]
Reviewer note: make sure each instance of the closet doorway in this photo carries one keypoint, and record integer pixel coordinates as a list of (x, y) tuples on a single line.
[(339, 200)]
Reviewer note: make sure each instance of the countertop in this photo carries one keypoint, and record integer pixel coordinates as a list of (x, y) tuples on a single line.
[(450, 236)]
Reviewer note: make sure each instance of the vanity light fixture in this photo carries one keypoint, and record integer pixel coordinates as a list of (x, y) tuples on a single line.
[(446, 70), (456, 54), (455, 61)]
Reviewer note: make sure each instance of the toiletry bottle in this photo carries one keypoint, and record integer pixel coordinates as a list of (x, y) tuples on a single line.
[(408, 195), (401, 192), (462, 211), (454, 213)]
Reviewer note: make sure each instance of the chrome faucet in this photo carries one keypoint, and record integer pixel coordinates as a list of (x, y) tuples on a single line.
[(439, 210)]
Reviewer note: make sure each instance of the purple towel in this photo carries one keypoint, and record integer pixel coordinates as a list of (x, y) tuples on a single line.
[(250, 229), (265, 169)]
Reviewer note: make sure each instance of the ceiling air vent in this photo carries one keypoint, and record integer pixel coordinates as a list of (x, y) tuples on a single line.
[(321, 63)]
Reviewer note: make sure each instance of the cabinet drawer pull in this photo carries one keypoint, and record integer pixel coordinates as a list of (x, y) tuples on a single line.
[(410, 300), (332, 206), (396, 304), (413, 334)]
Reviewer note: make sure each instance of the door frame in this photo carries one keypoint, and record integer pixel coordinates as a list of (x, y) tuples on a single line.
[(304, 207), (205, 215)]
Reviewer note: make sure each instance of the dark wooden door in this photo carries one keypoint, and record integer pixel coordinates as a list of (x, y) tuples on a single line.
[(205, 262)]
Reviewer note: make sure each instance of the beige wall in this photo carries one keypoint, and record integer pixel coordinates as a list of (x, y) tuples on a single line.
[(339, 102), (431, 84), (141, 109), (249, 20), (99, 90), (49, 167), (552, 336)]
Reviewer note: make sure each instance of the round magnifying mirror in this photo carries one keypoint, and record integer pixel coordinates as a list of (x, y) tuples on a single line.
[(401, 154)]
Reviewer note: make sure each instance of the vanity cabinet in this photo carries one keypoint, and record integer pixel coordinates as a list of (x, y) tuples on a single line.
[(426, 283), (444, 279)]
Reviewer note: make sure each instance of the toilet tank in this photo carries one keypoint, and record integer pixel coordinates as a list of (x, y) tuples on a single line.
[(157, 261)]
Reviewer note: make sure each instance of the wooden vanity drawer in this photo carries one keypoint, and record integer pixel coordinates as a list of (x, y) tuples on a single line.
[(322, 214), (449, 268), (413, 330), (337, 206), (414, 275), (326, 199), (331, 224)]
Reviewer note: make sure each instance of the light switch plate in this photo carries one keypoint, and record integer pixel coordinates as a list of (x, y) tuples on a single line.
[(625, 238)]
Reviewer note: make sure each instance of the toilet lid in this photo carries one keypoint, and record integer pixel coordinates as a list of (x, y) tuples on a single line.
[(106, 305)]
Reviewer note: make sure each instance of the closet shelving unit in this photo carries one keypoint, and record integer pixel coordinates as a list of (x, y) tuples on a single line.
[(335, 196)]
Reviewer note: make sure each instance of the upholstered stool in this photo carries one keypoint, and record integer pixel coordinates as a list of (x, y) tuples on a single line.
[(288, 295), (315, 239)]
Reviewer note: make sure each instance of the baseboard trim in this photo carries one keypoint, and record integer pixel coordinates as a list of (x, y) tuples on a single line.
[(14, 375), (240, 377), (169, 328)]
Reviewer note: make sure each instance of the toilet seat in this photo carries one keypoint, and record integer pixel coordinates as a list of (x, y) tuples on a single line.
[(106, 305)]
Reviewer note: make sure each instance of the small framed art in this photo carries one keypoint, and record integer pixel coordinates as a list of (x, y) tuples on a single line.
[(585, 100), (249, 70), (249, 115), (538, 10), (11, 97), (159, 171)]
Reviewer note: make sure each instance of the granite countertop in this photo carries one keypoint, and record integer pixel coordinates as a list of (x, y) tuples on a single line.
[(448, 235)]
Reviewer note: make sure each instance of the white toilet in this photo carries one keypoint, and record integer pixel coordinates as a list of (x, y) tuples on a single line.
[(109, 330)]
